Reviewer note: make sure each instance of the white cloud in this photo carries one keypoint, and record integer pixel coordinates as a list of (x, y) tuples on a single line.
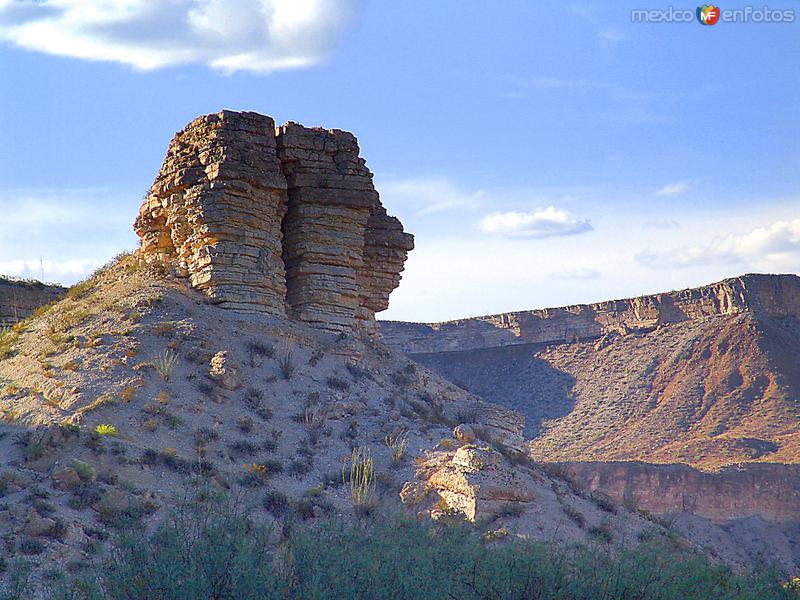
[(228, 35), (610, 36), (427, 196), (540, 223), (65, 232), (761, 247), (673, 189), (49, 270)]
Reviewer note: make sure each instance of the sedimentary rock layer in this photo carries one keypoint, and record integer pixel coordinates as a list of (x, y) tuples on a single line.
[(284, 221), (386, 247), (771, 491), (18, 299), (330, 195), (216, 209), (770, 295)]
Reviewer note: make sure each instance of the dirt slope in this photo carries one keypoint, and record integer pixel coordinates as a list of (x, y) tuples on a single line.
[(133, 391)]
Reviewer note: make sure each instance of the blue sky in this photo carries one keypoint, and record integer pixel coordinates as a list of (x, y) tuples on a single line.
[(542, 153)]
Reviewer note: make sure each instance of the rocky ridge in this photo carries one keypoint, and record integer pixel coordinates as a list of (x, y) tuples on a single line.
[(688, 415), (767, 295)]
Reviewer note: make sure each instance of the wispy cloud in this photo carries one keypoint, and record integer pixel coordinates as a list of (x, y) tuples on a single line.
[(575, 274), (662, 223), (540, 223), (428, 196), (673, 189), (228, 35), (610, 36), (764, 245)]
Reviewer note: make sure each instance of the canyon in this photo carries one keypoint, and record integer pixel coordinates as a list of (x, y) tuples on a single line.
[(681, 403), (769, 295)]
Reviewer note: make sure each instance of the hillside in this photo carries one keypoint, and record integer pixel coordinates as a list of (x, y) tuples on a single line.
[(123, 398), (708, 391), (236, 354)]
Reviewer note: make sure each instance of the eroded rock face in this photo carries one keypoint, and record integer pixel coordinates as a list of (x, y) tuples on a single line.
[(284, 221), (475, 481), (769, 295), (771, 491), (19, 299)]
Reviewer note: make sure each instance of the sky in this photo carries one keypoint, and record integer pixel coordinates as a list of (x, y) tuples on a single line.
[(543, 154)]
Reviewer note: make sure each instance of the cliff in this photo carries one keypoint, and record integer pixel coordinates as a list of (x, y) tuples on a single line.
[(771, 491), (767, 295), (19, 299), (283, 221)]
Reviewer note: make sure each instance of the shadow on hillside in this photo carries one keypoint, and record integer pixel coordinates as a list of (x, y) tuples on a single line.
[(509, 375)]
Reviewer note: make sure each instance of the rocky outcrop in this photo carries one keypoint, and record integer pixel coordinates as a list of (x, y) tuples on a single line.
[(475, 481), (19, 299), (769, 295), (284, 221), (771, 491)]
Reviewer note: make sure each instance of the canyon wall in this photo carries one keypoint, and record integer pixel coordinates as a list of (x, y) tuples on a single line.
[(284, 221), (18, 299), (769, 490), (771, 295)]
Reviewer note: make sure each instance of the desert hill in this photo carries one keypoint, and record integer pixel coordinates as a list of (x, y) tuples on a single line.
[(237, 352), (20, 298)]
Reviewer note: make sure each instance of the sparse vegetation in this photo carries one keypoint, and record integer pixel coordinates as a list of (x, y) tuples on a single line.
[(287, 365), (245, 424), (164, 363), (397, 444), (362, 479), (574, 514), (259, 349), (337, 383), (105, 429), (603, 502)]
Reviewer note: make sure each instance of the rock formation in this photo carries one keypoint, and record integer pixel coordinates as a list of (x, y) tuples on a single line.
[(771, 491), (284, 221), (19, 299), (770, 295), (473, 480)]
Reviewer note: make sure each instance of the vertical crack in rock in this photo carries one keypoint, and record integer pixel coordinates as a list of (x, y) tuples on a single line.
[(284, 221)]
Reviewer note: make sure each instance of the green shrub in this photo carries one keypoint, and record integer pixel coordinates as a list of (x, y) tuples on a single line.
[(213, 549)]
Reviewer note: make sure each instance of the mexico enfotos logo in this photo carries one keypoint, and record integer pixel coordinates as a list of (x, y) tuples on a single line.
[(710, 14)]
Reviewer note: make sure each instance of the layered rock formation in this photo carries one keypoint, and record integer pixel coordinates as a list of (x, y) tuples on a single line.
[(19, 299), (769, 295), (771, 491), (283, 221)]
